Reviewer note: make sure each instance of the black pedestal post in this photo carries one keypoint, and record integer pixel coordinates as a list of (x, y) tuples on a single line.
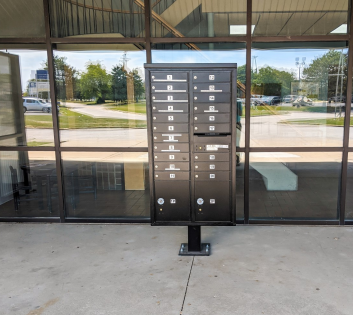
[(194, 247)]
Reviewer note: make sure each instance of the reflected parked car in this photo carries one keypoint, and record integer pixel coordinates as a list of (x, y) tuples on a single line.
[(289, 98), (271, 100), (303, 101), (36, 104)]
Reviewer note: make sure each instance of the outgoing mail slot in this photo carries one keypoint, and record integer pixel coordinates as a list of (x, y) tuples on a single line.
[(211, 108), (171, 175), (171, 157), (170, 148), (170, 127), (211, 97), (212, 118), (172, 166), (211, 166), (170, 98), (168, 76), (216, 157), (170, 118), (212, 202), (212, 87), (170, 108), (212, 128), (212, 176), (171, 137), (209, 77), (172, 200), (169, 87)]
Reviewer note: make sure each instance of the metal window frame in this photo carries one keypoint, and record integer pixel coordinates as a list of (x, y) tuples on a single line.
[(248, 39)]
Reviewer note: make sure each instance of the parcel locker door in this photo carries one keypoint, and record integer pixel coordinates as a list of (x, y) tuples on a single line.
[(212, 201), (172, 200)]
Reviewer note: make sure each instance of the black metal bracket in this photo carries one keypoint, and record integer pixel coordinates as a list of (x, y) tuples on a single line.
[(194, 247)]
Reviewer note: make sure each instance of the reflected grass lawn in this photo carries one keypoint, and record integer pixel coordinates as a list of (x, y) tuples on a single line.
[(137, 108), (72, 120), (335, 122)]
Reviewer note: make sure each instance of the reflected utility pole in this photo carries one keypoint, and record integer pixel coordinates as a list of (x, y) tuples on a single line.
[(300, 64)]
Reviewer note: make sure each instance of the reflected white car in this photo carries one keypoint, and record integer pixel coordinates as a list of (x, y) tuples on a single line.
[(36, 104)]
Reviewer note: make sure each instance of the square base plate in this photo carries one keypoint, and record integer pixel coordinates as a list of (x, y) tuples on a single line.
[(205, 250)]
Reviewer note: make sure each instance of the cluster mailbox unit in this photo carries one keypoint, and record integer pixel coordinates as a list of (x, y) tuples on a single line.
[(191, 115)]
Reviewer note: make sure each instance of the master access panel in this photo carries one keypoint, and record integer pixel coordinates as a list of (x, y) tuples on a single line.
[(191, 117)]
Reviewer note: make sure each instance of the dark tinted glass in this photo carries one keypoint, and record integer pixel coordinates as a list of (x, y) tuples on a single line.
[(21, 18), (198, 18), (294, 185), (101, 95), (288, 18), (298, 94), (28, 184), (110, 185), (110, 18), (25, 105)]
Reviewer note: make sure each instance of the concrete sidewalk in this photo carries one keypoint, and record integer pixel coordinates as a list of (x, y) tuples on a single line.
[(135, 269)]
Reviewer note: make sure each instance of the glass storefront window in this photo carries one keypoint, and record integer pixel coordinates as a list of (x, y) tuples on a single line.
[(101, 95), (28, 184), (198, 18), (25, 105), (292, 185), (106, 184), (289, 18), (22, 18), (113, 18), (298, 94), (209, 53)]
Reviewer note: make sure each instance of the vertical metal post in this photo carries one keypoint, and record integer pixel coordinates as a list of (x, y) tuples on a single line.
[(194, 238), (54, 110), (247, 112), (148, 31), (343, 182)]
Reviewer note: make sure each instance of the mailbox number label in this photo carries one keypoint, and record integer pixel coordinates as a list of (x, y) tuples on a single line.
[(212, 167), (170, 97), (212, 157), (211, 77), (211, 108), (170, 128), (171, 147), (171, 138), (212, 201), (169, 87), (212, 128), (169, 77), (211, 87), (211, 118), (172, 200), (170, 107), (171, 175), (171, 157), (211, 97), (212, 176), (170, 117)]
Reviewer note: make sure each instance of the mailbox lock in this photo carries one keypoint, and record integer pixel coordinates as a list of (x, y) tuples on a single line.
[(153, 77), (154, 107), (156, 157), (195, 77), (155, 138), (200, 201), (153, 87), (195, 87), (197, 176), (156, 166), (195, 118), (196, 166), (160, 209), (196, 157), (160, 201), (155, 147), (200, 209), (154, 118), (195, 108), (153, 97), (195, 128), (156, 175), (154, 128), (195, 98)]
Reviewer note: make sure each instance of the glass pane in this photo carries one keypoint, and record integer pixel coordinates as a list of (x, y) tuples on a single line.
[(28, 184), (101, 95), (240, 187), (349, 195), (106, 184), (108, 18), (287, 185), (22, 18), (25, 106), (288, 18), (198, 18), (296, 94), (209, 53)]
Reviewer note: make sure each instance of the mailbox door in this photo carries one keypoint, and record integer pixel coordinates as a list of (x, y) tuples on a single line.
[(171, 157), (166, 87), (212, 201), (171, 148), (168, 76), (170, 98), (211, 108), (171, 166), (212, 118), (170, 108), (212, 128), (170, 127), (172, 176), (212, 157), (211, 76), (211, 97), (211, 166), (212, 176), (212, 87), (172, 200), (171, 137), (170, 118)]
